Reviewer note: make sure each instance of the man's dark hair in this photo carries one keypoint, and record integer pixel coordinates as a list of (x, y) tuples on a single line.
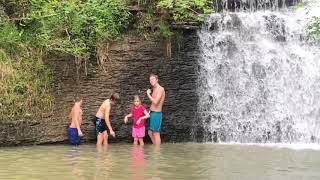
[(77, 99), (115, 97), (153, 75)]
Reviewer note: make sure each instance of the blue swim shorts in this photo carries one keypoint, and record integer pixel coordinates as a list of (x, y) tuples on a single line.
[(155, 121), (73, 136)]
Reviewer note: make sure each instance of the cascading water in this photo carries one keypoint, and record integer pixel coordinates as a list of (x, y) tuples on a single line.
[(259, 78), (252, 5)]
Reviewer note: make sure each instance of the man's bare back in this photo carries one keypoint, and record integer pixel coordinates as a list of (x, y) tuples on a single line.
[(76, 113), (76, 116), (74, 131)]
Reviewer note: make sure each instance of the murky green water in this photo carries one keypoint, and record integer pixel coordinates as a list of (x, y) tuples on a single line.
[(171, 161)]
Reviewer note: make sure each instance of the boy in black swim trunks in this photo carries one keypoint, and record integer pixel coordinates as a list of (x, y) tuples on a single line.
[(102, 120)]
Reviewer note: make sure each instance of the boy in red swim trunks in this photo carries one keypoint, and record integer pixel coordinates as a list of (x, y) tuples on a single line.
[(139, 114)]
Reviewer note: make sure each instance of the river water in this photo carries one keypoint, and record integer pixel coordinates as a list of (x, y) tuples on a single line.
[(171, 161)]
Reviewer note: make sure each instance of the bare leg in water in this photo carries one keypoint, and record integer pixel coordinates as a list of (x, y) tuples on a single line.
[(150, 133), (156, 138), (102, 138)]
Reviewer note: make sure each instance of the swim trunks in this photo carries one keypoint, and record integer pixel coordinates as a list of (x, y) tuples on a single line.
[(73, 136), (100, 125), (155, 121)]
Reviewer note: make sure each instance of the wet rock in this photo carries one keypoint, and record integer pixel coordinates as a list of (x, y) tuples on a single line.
[(127, 71), (227, 44), (276, 27), (233, 22), (258, 70)]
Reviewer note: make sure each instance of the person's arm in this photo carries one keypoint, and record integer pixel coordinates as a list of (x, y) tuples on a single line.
[(80, 117), (126, 118), (107, 114), (146, 115), (156, 99), (70, 115), (80, 121)]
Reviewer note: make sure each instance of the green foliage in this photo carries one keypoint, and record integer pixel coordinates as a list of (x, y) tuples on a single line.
[(29, 29), (181, 10), (301, 4), (145, 21), (187, 9), (314, 27), (171, 10), (165, 31), (75, 27), (9, 37), (24, 80), (15, 8)]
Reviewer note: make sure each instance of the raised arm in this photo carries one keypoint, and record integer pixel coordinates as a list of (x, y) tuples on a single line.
[(107, 114), (155, 100)]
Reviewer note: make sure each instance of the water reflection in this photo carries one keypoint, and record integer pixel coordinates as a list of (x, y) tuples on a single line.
[(73, 156), (103, 164), (138, 163)]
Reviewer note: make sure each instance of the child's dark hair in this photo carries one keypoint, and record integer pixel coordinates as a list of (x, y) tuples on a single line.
[(115, 97)]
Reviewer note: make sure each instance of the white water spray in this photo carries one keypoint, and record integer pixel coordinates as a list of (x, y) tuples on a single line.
[(260, 77)]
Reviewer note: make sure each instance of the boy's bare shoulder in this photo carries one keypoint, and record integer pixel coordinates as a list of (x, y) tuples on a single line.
[(161, 89), (106, 103)]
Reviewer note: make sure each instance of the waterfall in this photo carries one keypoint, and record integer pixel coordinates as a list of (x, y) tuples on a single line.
[(252, 5), (259, 77)]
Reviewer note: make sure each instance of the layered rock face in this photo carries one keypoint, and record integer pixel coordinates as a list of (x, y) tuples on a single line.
[(125, 70)]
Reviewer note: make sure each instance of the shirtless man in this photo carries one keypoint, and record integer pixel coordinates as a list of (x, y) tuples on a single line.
[(157, 100), (74, 130), (102, 120)]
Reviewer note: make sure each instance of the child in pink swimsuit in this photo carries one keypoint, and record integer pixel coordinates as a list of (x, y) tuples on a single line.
[(139, 114)]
